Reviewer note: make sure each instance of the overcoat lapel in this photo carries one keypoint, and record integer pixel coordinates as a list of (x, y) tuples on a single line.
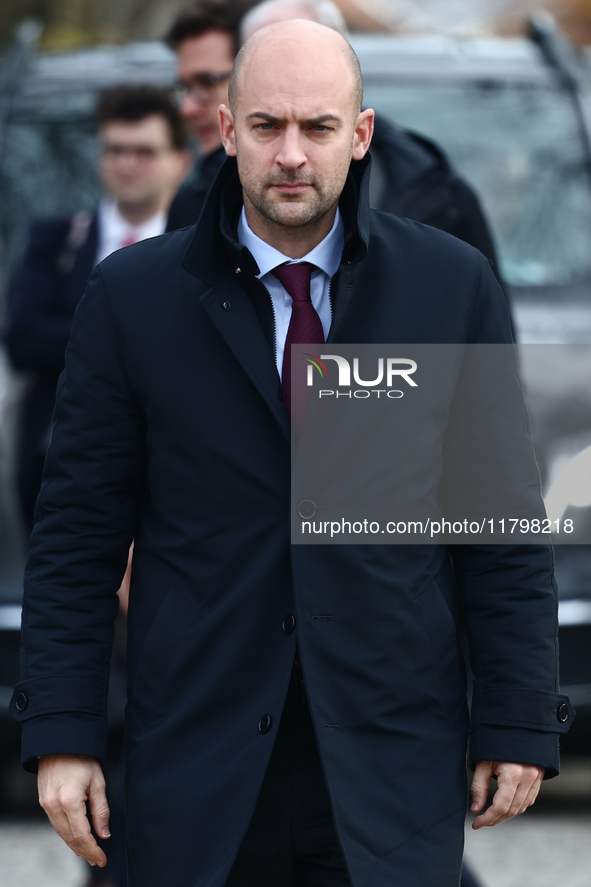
[(232, 312), (216, 258)]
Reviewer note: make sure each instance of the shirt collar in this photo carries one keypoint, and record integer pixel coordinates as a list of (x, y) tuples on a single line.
[(118, 226), (326, 255)]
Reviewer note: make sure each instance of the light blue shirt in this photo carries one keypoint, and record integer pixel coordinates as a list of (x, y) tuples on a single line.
[(326, 256)]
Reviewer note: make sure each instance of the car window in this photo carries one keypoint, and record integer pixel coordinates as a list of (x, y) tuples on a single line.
[(519, 145)]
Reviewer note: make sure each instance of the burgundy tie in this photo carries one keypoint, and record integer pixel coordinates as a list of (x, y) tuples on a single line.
[(305, 328)]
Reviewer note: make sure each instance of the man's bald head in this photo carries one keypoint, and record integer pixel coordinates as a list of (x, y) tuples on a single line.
[(304, 38), (325, 12)]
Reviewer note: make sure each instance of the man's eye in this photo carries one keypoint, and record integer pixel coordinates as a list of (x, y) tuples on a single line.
[(265, 127), (320, 128)]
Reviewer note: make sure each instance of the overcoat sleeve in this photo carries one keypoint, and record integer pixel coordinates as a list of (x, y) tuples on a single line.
[(510, 609), (509, 601), (84, 526)]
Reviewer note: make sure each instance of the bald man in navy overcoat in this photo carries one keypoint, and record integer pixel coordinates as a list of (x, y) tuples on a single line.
[(267, 745)]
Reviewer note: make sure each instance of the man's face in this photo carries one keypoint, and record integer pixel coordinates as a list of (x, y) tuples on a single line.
[(138, 163), (295, 131), (200, 61)]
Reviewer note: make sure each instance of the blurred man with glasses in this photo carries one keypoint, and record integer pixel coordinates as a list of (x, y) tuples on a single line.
[(205, 39)]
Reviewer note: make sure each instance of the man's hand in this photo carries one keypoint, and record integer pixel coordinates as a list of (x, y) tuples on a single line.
[(65, 783), (517, 788)]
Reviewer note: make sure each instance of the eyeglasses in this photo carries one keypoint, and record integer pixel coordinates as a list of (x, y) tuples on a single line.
[(200, 88), (142, 153)]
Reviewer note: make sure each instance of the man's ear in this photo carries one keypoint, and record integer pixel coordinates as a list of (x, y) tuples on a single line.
[(227, 131), (363, 133)]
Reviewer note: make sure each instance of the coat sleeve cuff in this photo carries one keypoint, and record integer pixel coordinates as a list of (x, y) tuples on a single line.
[(58, 693), (61, 714), (521, 707), (515, 744), (66, 734)]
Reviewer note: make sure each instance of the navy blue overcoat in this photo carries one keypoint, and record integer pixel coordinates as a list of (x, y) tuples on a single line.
[(170, 431)]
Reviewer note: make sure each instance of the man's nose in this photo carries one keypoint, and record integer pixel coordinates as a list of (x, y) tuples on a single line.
[(291, 154), (127, 162)]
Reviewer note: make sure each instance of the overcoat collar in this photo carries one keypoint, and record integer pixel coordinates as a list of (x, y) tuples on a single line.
[(217, 258), (215, 248)]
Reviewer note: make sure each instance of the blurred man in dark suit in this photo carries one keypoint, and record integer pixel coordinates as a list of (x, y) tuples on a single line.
[(143, 159), (205, 38)]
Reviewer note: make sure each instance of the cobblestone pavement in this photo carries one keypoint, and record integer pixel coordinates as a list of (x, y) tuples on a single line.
[(548, 846)]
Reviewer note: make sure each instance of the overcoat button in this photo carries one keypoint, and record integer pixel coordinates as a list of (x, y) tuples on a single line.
[(307, 509), (265, 724), (226, 306), (289, 623), (21, 702), (563, 713)]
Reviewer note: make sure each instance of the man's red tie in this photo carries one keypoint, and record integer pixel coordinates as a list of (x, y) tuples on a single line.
[(305, 328)]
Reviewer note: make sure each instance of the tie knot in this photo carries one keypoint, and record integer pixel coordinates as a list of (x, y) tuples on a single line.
[(296, 279)]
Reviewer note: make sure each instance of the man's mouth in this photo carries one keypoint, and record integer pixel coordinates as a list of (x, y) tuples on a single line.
[(292, 187)]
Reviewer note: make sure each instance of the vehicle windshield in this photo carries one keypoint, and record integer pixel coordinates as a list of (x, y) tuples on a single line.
[(520, 147)]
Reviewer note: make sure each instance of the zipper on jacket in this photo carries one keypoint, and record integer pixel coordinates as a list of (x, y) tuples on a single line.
[(274, 322), (330, 291), (275, 318)]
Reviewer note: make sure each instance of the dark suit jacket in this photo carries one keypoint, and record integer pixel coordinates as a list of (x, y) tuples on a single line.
[(188, 203), (170, 430), (418, 182), (41, 304)]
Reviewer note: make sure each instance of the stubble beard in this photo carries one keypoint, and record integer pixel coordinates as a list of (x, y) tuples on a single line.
[(291, 210), (294, 211)]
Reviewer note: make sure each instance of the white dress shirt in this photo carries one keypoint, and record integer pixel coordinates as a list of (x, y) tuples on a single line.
[(115, 231), (326, 256)]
